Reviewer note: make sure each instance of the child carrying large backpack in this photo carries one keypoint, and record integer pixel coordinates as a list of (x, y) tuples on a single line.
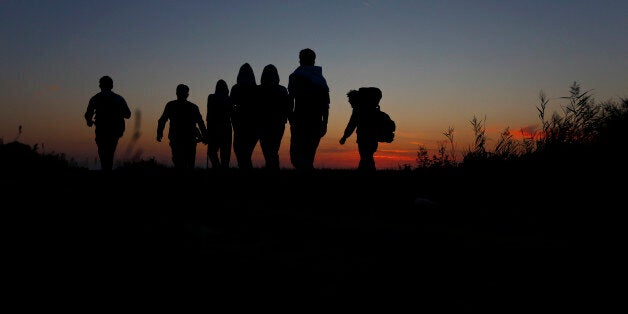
[(368, 121)]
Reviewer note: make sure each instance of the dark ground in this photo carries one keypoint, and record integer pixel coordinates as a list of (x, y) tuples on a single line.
[(499, 239)]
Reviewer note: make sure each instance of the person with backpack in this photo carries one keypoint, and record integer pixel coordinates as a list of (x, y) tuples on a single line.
[(107, 110), (365, 109)]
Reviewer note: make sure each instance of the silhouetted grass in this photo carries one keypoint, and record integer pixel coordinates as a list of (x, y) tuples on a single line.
[(19, 157), (583, 132), (390, 235)]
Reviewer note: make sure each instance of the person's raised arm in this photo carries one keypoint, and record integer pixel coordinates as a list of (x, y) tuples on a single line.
[(351, 125), (325, 115), (201, 126), (161, 124), (126, 112), (89, 113)]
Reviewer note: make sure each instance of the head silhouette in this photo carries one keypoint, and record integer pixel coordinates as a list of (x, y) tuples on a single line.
[(221, 88), (354, 98), (307, 56), (182, 91), (270, 76), (105, 82), (246, 75)]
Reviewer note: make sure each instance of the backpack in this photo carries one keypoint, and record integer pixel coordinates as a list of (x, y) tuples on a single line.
[(385, 127), (370, 97)]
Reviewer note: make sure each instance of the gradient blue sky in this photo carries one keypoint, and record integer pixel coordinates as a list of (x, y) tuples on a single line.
[(438, 63)]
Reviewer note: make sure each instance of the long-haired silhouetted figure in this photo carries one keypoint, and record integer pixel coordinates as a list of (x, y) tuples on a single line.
[(186, 128), (308, 121), (276, 106), (110, 110), (219, 109), (244, 96), (365, 105)]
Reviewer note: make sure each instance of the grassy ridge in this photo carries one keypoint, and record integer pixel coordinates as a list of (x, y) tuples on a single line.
[(427, 234), (529, 225)]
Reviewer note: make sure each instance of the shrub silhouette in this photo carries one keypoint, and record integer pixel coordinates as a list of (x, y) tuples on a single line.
[(17, 156), (583, 131)]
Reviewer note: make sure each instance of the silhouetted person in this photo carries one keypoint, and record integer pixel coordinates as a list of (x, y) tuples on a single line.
[(308, 121), (244, 96), (107, 110), (365, 105), (186, 128), (276, 106), (219, 109)]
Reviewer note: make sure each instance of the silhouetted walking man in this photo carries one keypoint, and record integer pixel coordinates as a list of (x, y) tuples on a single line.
[(186, 128), (308, 121), (107, 110), (276, 106), (365, 104), (219, 109)]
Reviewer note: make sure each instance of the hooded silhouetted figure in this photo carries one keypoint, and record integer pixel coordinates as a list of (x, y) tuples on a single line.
[(308, 121), (219, 109), (186, 128), (244, 96), (276, 106), (107, 110)]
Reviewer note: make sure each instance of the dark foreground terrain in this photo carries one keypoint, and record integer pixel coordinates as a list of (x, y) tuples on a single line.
[(501, 238)]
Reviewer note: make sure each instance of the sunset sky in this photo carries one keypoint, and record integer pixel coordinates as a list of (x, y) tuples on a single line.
[(438, 64)]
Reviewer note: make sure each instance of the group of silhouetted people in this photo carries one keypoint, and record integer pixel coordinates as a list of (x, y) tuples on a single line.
[(259, 113), (251, 112)]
